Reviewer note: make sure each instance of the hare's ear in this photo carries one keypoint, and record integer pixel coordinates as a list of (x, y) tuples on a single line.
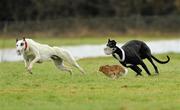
[(24, 38), (16, 39)]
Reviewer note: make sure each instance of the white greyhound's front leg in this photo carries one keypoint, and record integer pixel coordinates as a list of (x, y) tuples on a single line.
[(26, 63), (37, 58)]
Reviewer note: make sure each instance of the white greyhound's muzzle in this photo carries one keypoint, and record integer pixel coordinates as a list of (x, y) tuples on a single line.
[(18, 52)]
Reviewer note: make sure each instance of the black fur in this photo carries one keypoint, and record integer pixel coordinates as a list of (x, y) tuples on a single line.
[(135, 51)]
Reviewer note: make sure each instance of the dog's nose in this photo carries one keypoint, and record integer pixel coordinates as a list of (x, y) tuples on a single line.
[(18, 52)]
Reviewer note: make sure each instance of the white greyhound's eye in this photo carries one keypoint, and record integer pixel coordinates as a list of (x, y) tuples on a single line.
[(22, 44)]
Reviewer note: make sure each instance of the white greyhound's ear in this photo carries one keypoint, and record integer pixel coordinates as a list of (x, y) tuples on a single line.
[(24, 38), (16, 39)]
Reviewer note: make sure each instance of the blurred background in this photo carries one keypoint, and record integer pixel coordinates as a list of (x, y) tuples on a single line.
[(71, 18), (83, 27)]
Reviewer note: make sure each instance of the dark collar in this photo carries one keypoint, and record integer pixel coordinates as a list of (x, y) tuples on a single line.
[(26, 45)]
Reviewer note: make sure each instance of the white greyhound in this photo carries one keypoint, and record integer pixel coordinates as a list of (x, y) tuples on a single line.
[(34, 52)]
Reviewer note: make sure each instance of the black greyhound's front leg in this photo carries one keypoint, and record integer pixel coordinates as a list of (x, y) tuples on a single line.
[(145, 68), (134, 68)]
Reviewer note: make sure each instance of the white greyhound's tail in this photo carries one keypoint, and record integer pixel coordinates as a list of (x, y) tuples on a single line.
[(67, 56)]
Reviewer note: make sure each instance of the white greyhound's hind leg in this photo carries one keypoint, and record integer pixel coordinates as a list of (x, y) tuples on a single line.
[(64, 68), (59, 64), (71, 60), (75, 64), (66, 55)]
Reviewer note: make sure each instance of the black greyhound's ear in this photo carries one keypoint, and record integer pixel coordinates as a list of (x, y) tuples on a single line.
[(16, 39), (115, 42), (109, 40), (24, 38)]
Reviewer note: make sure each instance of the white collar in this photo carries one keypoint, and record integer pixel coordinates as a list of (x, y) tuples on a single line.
[(123, 55)]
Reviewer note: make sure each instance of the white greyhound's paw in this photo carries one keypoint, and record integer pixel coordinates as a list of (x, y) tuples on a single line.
[(29, 69)]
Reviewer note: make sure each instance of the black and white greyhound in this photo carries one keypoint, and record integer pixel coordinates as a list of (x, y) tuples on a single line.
[(132, 54)]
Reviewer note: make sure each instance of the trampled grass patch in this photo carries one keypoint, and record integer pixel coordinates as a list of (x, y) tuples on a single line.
[(51, 89)]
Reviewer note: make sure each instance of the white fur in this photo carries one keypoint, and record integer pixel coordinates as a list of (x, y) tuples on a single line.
[(126, 71), (123, 55), (117, 56), (108, 50), (37, 53)]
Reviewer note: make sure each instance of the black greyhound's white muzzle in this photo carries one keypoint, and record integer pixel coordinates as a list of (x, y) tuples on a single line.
[(108, 50)]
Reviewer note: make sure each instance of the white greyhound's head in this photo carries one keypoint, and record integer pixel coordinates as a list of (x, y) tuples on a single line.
[(21, 46)]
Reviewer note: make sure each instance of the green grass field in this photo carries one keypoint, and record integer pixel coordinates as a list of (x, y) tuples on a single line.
[(51, 89)]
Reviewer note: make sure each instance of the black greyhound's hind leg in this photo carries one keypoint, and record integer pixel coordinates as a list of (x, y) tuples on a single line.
[(145, 68), (155, 67), (136, 69)]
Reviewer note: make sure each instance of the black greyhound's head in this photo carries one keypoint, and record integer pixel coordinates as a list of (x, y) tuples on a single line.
[(111, 43), (110, 47)]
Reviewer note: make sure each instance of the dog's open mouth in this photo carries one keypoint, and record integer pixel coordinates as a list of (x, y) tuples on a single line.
[(108, 51)]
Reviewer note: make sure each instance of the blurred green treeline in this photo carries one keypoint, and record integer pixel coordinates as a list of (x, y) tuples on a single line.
[(113, 15)]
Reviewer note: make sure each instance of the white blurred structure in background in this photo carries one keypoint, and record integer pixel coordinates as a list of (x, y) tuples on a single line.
[(86, 51)]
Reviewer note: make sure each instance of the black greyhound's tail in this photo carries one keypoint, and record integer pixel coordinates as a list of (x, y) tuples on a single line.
[(162, 62)]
